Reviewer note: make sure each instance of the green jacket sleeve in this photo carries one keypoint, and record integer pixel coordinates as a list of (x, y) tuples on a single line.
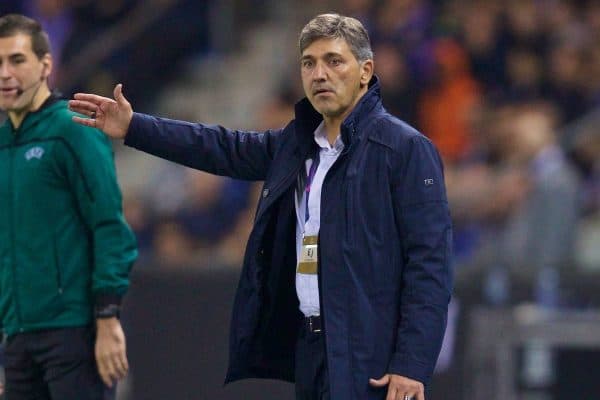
[(92, 179)]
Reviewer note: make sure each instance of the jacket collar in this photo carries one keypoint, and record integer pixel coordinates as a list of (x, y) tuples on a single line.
[(33, 117), (308, 118)]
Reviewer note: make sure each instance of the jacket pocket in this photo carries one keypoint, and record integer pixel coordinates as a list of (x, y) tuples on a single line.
[(40, 285), (57, 266)]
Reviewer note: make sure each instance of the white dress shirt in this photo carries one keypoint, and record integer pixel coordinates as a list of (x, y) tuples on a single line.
[(307, 286)]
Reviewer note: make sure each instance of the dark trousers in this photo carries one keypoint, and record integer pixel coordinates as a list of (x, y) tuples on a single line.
[(312, 378), (57, 364)]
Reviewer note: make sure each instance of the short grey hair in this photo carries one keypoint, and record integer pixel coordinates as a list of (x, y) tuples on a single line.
[(334, 26)]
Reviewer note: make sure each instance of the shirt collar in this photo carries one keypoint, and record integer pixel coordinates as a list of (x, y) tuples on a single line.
[(321, 139), (308, 118)]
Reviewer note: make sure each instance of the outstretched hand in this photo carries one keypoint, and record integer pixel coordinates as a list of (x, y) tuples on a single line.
[(110, 116)]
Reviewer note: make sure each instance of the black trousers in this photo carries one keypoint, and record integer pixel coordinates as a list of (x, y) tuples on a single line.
[(53, 364), (312, 378)]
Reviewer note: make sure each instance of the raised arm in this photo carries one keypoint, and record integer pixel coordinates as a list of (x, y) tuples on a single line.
[(211, 148)]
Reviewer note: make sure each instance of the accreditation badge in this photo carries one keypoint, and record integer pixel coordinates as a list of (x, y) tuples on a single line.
[(308, 256)]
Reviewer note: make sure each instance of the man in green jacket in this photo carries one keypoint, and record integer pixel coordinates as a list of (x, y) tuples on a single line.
[(65, 248)]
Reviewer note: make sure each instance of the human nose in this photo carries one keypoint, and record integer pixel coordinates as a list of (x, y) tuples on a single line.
[(319, 72), (5, 71)]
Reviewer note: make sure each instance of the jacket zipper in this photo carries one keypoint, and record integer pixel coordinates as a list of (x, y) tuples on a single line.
[(13, 256), (319, 263), (57, 265)]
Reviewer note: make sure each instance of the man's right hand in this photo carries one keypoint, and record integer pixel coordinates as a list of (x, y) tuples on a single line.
[(110, 116), (110, 351)]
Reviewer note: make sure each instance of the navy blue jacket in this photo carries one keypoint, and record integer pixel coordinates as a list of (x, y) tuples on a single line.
[(384, 242)]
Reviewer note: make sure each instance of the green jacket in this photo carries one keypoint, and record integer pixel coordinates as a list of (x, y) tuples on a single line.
[(64, 244)]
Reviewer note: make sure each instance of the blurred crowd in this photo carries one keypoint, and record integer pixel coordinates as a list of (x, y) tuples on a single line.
[(96, 43), (507, 90), (498, 87)]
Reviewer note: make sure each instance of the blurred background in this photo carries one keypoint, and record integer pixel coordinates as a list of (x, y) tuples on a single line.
[(509, 91)]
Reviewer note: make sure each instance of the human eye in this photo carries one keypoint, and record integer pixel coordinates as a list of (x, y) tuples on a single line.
[(307, 63), (17, 60), (335, 61)]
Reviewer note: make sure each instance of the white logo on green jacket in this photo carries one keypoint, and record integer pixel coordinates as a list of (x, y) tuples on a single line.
[(34, 152)]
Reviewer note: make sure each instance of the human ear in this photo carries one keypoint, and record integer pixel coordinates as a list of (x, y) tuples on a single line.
[(366, 73), (46, 66)]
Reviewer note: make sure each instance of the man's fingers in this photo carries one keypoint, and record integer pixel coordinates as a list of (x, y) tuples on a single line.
[(381, 382), (125, 362), (413, 396), (113, 368), (392, 393), (108, 367), (92, 98), (118, 94), (407, 387), (120, 361), (103, 372), (83, 107), (84, 121)]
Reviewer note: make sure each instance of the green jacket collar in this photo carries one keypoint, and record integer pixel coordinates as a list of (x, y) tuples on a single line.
[(53, 102)]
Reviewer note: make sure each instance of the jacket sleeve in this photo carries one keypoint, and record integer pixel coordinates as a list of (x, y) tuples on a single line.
[(211, 148), (90, 172), (423, 221)]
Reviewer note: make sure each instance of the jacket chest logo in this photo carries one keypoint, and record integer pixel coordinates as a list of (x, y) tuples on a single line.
[(34, 152)]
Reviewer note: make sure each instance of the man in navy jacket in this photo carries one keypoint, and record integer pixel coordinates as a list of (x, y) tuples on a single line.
[(353, 210)]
